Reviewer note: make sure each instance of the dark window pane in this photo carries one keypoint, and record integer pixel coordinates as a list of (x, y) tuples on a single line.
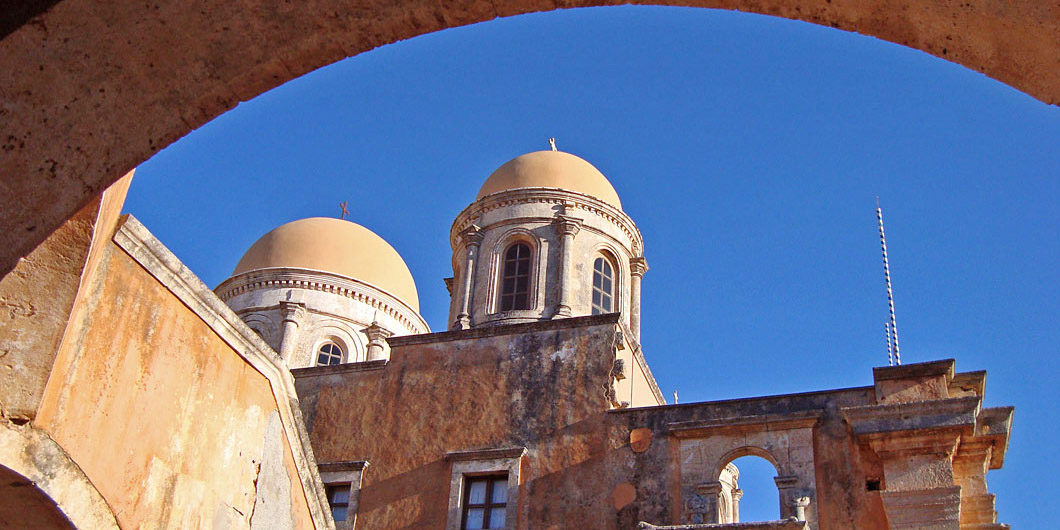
[(521, 302), (524, 266), (338, 513)]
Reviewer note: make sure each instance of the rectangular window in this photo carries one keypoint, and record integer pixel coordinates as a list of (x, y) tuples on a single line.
[(485, 502), (339, 500)]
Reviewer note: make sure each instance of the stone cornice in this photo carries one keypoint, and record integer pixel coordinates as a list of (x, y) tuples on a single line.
[(938, 414), (323, 281), (512, 329), (909, 371), (486, 454), (771, 422), (572, 201), (133, 238), (349, 465), (341, 368)]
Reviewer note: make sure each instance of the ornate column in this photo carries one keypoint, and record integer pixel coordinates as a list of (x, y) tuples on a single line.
[(567, 227), (737, 494), (293, 314), (637, 267), (377, 336), (472, 239)]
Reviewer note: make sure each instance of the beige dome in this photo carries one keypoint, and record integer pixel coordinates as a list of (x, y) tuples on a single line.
[(335, 246), (551, 169)]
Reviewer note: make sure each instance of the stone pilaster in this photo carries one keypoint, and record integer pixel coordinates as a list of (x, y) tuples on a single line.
[(377, 336), (637, 267), (293, 314), (567, 227), (711, 493), (918, 472), (970, 465), (472, 239)]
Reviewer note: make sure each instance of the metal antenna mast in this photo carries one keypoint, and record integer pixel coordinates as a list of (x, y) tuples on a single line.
[(892, 326)]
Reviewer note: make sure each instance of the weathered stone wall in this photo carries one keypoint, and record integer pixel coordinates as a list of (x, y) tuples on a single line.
[(36, 299), (540, 386), (170, 423), (841, 499), (93, 88)]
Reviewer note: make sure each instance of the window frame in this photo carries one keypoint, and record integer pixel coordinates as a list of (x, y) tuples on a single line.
[(526, 275), (343, 352), (612, 293), (469, 465), (346, 473), (538, 251), (488, 507)]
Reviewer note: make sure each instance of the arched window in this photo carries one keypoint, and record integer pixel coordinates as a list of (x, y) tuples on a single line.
[(603, 286), (328, 354), (515, 278)]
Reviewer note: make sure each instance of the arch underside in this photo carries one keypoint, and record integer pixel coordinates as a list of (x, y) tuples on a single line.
[(23, 505), (92, 88)]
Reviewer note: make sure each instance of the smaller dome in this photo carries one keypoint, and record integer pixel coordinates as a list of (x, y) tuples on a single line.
[(336, 246), (551, 169)]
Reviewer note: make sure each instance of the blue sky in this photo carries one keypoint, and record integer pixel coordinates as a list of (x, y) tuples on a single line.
[(748, 149)]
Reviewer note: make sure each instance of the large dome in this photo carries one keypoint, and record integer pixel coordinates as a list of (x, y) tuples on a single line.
[(335, 246), (551, 169)]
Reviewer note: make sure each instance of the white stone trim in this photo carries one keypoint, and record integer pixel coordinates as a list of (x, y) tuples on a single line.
[(571, 199), (478, 463), (280, 277), (158, 261)]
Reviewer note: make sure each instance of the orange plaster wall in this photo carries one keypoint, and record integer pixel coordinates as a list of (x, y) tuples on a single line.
[(163, 416)]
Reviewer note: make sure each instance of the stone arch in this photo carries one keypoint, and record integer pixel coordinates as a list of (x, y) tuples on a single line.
[(747, 450), (29, 454), (95, 87), (341, 334), (620, 274)]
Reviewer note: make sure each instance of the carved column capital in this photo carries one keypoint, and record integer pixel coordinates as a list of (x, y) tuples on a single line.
[(377, 336), (567, 225), (638, 266), (293, 312), (471, 236)]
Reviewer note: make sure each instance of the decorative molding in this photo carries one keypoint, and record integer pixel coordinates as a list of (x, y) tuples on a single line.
[(570, 200), (954, 413), (323, 281), (132, 237), (494, 331), (485, 454)]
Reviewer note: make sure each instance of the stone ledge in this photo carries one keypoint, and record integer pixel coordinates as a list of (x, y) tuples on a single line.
[(915, 370), (954, 413), (995, 424), (786, 524), (344, 368), (770, 422), (511, 329), (485, 454), (348, 465)]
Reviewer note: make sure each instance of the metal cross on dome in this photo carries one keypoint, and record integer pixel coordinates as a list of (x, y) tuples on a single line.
[(345, 212), (552, 144)]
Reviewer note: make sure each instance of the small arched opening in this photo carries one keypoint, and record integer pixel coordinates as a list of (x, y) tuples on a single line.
[(748, 490)]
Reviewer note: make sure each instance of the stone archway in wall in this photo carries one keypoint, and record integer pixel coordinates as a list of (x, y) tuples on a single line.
[(92, 88)]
